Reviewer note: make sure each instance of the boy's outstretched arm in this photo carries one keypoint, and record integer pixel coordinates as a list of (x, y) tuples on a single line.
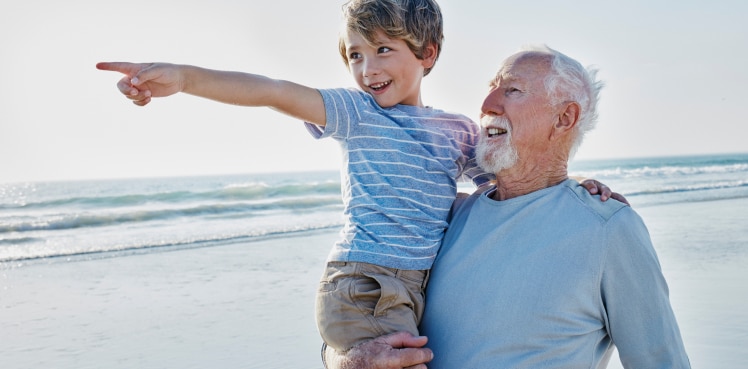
[(144, 81)]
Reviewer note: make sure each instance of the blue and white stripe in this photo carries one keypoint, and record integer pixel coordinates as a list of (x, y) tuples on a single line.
[(401, 167)]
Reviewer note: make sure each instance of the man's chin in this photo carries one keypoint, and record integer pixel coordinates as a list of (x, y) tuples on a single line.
[(494, 160), (495, 165)]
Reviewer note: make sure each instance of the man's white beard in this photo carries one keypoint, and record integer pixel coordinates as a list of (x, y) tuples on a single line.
[(496, 157)]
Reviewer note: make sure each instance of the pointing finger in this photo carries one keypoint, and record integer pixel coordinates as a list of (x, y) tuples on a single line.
[(130, 69)]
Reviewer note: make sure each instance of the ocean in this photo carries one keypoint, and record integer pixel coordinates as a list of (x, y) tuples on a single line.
[(86, 280), (110, 218)]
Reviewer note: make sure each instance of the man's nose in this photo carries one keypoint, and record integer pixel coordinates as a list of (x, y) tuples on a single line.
[(493, 103)]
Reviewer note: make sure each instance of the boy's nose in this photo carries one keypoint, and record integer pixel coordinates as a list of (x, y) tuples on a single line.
[(371, 68)]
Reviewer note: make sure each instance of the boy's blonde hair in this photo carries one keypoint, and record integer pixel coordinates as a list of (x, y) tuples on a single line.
[(417, 22)]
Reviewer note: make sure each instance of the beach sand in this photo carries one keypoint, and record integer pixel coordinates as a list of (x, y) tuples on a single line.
[(251, 305), (246, 305)]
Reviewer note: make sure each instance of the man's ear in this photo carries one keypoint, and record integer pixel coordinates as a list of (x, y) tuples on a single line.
[(567, 119), (429, 55)]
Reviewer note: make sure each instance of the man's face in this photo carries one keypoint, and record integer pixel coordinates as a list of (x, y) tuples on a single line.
[(516, 115)]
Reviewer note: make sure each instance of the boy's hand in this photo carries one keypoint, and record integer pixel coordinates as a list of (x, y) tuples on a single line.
[(142, 81), (594, 187)]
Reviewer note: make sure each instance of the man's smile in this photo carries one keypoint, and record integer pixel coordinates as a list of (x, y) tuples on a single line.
[(494, 131)]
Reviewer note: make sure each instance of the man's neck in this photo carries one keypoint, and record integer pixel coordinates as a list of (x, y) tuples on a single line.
[(523, 179)]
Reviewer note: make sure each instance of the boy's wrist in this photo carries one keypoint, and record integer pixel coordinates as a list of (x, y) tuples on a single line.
[(188, 74)]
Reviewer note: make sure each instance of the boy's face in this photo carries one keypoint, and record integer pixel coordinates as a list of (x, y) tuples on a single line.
[(389, 71)]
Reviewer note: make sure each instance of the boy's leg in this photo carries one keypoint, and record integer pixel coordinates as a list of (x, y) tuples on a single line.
[(357, 302)]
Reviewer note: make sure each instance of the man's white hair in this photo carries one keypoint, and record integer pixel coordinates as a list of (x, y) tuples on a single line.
[(569, 81)]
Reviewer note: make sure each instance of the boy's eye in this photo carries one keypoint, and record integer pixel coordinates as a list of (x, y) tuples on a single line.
[(383, 49), (354, 56)]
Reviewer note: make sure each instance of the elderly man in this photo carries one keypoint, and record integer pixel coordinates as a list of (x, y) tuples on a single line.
[(536, 272)]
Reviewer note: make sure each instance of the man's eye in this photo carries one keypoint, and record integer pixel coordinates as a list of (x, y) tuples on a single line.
[(511, 90)]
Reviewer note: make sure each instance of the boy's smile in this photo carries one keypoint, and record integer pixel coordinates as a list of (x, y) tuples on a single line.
[(388, 70), (379, 86)]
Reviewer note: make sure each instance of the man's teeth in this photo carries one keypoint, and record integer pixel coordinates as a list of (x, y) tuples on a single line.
[(379, 86), (495, 131)]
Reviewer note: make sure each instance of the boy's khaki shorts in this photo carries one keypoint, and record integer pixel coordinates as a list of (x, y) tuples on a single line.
[(358, 301)]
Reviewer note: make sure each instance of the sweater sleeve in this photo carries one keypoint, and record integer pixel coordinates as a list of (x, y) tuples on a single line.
[(635, 296)]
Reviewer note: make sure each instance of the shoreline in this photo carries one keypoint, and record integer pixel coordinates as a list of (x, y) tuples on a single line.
[(251, 304), (127, 252)]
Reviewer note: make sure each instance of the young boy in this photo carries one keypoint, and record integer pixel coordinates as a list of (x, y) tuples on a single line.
[(402, 159)]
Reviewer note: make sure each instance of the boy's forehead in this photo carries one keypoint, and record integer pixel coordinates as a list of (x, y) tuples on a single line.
[(354, 38)]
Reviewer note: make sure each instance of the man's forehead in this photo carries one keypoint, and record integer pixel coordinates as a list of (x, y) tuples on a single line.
[(523, 67)]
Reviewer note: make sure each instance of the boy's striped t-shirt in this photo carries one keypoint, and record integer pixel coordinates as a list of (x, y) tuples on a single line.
[(400, 168)]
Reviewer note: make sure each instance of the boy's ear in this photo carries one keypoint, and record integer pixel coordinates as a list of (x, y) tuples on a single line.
[(429, 55)]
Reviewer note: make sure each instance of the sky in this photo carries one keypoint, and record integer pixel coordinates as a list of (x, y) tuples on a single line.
[(675, 74)]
